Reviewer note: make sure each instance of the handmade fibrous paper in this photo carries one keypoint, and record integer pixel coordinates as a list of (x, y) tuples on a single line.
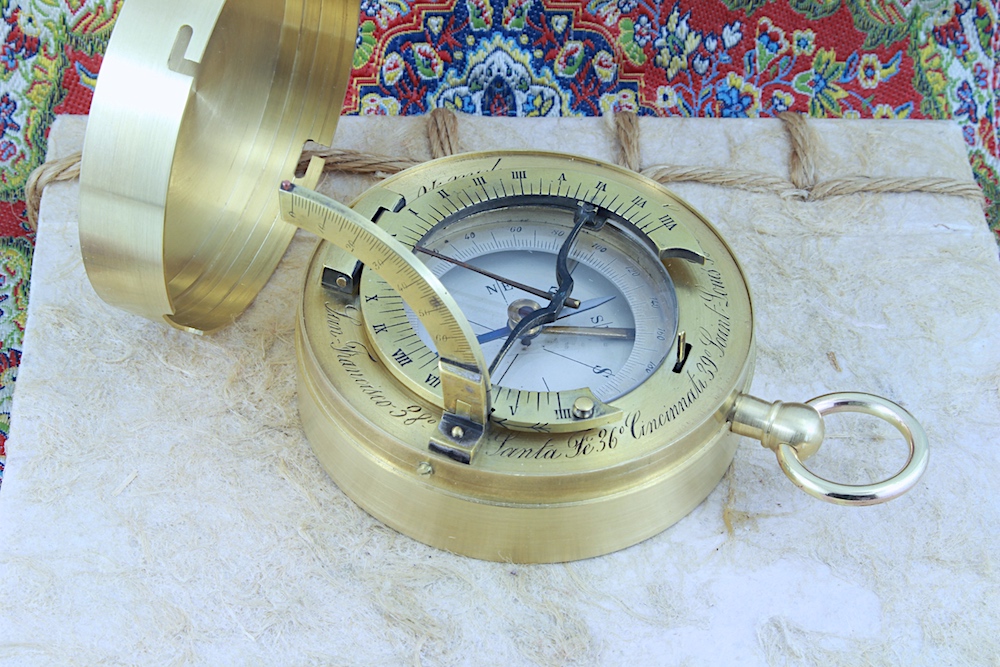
[(162, 506)]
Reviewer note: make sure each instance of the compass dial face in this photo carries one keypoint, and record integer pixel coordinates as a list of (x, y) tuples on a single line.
[(589, 292), (619, 334)]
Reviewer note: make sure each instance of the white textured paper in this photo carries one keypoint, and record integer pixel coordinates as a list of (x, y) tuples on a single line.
[(161, 505)]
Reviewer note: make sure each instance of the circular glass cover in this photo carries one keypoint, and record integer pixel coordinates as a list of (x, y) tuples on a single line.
[(621, 331)]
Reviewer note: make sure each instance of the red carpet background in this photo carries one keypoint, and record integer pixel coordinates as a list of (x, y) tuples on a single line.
[(707, 58)]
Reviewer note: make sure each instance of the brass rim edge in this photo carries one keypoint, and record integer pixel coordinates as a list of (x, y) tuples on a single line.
[(523, 533), (178, 203), (503, 487)]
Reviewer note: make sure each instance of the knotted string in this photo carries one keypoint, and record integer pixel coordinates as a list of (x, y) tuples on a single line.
[(443, 135)]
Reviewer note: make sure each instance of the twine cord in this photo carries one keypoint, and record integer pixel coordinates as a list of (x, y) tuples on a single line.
[(355, 162), (443, 135), (727, 178), (442, 131), (627, 133), (63, 169), (839, 187), (805, 145)]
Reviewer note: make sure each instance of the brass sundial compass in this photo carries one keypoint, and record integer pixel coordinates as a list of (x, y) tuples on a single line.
[(510, 355)]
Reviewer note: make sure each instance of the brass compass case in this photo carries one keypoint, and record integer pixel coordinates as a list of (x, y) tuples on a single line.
[(402, 409), (544, 485)]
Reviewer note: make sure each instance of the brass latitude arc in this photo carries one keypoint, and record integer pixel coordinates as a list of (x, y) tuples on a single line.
[(202, 106), (462, 369)]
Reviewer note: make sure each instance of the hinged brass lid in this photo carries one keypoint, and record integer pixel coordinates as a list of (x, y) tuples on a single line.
[(201, 109)]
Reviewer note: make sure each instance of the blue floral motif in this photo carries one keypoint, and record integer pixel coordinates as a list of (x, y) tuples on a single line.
[(781, 101), (8, 58), (499, 83), (969, 134), (644, 30), (804, 41), (771, 45), (967, 103), (534, 104), (529, 71), (18, 46), (464, 103), (8, 107), (819, 82), (7, 150), (734, 102), (981, 75)]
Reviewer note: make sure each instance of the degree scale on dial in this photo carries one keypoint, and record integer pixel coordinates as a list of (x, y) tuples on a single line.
[(642, 289), (621, 332)]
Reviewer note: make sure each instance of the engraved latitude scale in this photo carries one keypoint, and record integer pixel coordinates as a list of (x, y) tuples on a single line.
[(509, 355)]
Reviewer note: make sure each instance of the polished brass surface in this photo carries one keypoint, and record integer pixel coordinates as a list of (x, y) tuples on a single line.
[(202, 106), (460, 366), (201, 111), (790, 458), (543, 483), (795, 424), (563, 490)]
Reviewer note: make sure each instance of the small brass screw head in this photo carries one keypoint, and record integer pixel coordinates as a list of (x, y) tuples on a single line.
[(583, 408)]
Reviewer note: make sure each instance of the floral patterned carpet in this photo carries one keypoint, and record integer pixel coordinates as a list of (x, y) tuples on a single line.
[(712, 58)]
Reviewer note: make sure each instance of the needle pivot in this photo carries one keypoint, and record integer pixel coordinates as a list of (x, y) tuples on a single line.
[(520, 309)]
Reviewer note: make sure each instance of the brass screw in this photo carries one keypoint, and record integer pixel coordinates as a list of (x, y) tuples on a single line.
[(341, 282), (425, 468), (583, 407), (457, 432)]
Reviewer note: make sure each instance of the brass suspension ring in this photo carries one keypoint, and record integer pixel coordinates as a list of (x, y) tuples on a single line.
[(862, 494)]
